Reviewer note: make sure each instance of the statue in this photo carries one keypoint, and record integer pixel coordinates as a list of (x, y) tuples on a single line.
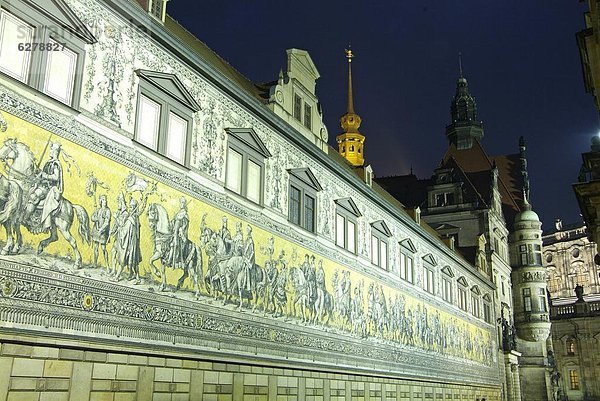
[(579, 293)]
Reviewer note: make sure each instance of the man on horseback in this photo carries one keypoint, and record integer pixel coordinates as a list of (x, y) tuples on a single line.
[(181, 222), (48, 189), (249, 258)]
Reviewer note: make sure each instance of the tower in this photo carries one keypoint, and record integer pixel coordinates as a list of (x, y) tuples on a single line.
[(350, 141), (531, 314), (464, 128)]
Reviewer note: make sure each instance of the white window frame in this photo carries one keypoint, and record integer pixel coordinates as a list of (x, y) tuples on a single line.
[(407, 264), (36, 64), (346, 215), (380, 251), (173, 106), (304, 181)]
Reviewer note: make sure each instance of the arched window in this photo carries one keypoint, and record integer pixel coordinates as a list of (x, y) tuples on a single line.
[(571, 346)]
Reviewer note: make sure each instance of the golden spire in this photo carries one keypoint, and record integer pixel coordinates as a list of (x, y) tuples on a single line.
[(350, 56), (350, 141)]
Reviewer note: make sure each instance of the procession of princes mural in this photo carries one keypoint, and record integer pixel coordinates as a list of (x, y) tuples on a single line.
[(118, 221)]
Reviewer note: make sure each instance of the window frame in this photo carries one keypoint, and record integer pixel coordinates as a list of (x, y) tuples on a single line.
[(406, 253), (46, 28), (527, 301), (380, 235), (462, 296), (246, 143), (304, 181), (347, 210), (574, 381), (181, 105)]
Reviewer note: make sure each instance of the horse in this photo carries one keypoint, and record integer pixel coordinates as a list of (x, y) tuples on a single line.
[(22, 172), (162, 234)]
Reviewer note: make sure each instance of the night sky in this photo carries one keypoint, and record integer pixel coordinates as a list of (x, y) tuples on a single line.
[(520, 58)]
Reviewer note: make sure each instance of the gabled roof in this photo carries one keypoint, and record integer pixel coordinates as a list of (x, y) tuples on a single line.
[(59, 12), (250, 138), (170, 84), (306, 176)]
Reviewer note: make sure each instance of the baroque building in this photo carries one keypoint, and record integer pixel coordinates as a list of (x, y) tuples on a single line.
[(569, 260), (176, 231), (480, 205)]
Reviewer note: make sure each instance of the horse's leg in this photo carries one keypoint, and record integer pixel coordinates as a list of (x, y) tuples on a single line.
[(9, 239), (45, 242), (183, 276), (64, 230), (16, 226)]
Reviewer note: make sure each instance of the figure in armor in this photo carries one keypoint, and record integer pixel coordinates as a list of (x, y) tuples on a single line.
[(181, 223), (48, 190)]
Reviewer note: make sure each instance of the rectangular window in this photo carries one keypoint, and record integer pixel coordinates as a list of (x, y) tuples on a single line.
[(383, 256), (542, 300), (253, 188), (447, 289), (297, 107), (295, 194), (351, 236), (523, 254), (233, 180), (462, 298), (176, 138), (487, 312), (309, 213), (574, 379), (60, 74), (527, 299), (307, 116), (475, 305), (12, 32), (340, 230), (374, 250), (156, 9), (345, 233), (148, 122), (406, 267), (428, 280)]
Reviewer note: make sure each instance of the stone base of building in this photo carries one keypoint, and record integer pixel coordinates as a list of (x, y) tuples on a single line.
[(42, 369)]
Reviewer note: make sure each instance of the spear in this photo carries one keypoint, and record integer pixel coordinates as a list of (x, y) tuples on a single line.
[(44, 152)]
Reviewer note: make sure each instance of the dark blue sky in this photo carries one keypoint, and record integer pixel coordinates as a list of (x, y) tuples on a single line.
[(520, 58)]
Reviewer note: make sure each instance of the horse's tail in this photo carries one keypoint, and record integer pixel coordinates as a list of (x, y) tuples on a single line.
[(13, 203), (84, 223)]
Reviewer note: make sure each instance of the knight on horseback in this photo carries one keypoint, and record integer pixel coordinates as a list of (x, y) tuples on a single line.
[(48, 189)]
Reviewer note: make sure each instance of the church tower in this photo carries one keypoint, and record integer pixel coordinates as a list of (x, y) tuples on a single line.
[(465, 128), (531, 314), (350, 141)]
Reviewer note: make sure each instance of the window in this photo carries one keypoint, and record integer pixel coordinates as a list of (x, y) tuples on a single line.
[(571, 346), (447, 289), (428, 280), (297, 107), (487, 312), (307, 116), (475, 302), (407, 251), (302, 199), (444, 199), (379, 244), (527, 299), (574, 379), (345, 224), (164, 115), (462, 294), (462, 298), (523, 254), (244, 172), (542, 300), (428, 273), (156, 9), (35, 52)]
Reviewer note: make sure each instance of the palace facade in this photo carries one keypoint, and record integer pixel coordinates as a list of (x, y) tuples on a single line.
[(174, 231)]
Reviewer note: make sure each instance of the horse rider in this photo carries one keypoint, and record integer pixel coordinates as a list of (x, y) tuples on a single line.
[(48, 189), (226, 237), (238, 241), (249, 257), (181, 223)]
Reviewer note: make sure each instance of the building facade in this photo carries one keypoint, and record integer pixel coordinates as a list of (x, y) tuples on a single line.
[(572, 277), (479, 204), (175, 231)]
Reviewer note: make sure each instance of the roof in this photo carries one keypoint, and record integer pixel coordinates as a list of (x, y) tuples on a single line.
[(259, 91), (408, 189)]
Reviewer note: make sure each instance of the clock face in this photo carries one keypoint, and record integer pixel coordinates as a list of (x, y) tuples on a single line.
[(279, 96), (324, 134)]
